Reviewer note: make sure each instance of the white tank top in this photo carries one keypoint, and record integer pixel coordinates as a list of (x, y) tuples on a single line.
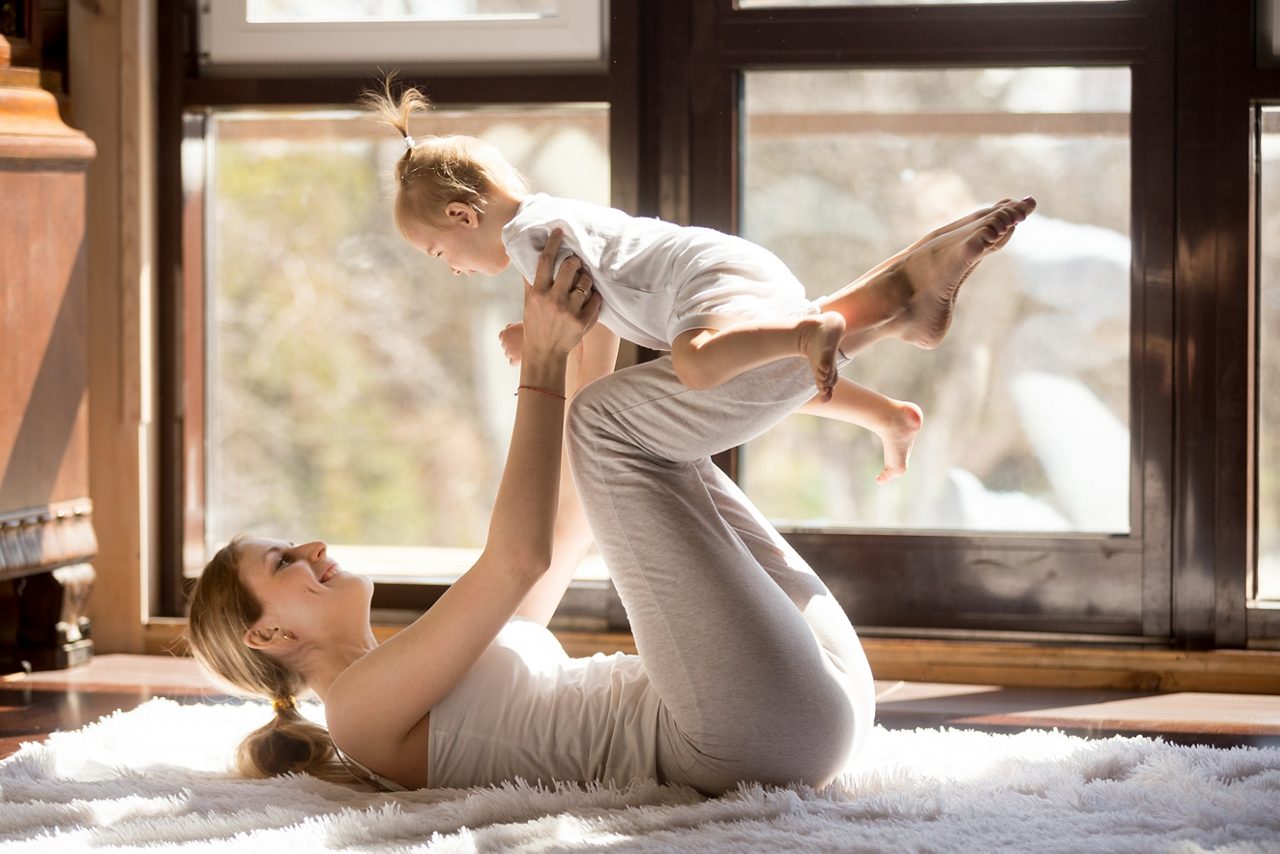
[(528, 710)]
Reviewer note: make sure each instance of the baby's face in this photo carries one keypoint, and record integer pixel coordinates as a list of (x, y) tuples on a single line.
[(466, 248)]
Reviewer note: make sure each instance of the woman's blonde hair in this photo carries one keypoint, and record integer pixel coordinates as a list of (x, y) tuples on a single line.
[(222, 609), (437, 170)]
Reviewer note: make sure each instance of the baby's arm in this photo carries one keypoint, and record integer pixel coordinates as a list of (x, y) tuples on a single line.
[(512, 339)]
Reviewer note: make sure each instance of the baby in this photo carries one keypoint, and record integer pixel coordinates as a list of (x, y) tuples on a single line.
[(720, 304)]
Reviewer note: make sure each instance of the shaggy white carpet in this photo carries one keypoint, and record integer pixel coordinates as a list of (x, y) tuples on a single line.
[(156, 777)]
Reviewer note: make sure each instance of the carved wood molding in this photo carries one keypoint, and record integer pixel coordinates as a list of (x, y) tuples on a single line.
[(30, 127)]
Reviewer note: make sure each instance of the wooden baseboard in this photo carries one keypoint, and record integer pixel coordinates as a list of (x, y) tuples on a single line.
[(969, 662), (1065, 666)]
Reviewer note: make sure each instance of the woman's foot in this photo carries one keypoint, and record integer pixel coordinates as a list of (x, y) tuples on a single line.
[(819, 343), (912, 296), (937, 232), (898, 436), (937, 269)]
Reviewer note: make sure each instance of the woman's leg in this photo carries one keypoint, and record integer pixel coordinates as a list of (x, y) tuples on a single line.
[(761, 674), (912, 295)]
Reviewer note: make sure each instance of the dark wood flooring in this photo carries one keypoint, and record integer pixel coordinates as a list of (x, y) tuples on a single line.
[(34, 705)]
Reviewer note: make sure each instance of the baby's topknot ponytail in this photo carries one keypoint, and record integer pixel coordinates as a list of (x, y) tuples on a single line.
[(438, 170)]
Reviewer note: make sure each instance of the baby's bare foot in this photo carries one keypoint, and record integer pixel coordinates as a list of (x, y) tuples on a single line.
[(936, 270), (898, 436), (819, 342)]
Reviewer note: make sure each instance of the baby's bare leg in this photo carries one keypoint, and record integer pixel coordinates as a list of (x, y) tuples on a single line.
[(896, 422), (705, 358), (912, 295)]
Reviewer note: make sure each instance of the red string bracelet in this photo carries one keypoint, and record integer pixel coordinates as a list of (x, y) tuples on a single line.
[(548, 392)]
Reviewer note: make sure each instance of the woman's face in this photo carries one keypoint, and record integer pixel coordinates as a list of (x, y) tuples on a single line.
[(302, 590)]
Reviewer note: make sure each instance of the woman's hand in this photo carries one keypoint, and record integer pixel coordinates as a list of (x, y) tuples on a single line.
[(559, 309)]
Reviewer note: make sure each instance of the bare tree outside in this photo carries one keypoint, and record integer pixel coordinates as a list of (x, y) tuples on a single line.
[(1027, 401), (357, 391)]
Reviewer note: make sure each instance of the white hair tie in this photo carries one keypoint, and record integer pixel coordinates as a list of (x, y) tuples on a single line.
[(408, 141)]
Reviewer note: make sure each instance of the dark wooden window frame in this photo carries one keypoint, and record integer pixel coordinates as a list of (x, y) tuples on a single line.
[(672, 86), (180, 299), (1220, 84), (867, 571)]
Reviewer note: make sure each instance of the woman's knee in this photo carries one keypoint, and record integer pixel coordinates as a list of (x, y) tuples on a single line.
[(815, 763), (777, 745), (811, 744)]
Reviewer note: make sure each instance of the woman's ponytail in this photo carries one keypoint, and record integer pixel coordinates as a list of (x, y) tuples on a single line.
[(289, 743)]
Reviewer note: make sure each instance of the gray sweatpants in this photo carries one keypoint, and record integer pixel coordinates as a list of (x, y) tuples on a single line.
[(761, 674)]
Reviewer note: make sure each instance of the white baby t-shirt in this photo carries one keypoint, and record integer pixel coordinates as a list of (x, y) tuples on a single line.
[(657, 279)]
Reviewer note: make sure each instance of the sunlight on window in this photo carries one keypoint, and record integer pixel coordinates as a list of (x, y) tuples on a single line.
[(1027, 402), (1268, 581), (355, 11), (798, 4), (356, 390)]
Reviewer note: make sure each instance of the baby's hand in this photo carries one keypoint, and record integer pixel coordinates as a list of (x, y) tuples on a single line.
[(512, 339)]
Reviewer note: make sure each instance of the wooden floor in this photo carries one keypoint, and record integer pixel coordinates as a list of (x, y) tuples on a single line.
[(34, 705)]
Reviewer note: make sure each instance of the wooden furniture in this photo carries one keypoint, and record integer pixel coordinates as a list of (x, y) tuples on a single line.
[(46, 530)]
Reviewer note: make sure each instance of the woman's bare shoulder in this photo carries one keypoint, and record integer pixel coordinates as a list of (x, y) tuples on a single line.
[(353, 727)]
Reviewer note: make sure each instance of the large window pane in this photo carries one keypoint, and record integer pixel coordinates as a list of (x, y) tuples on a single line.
[(1268, 582), (285, 11), (798, 4), (477, 34), (1027, 403), (356, 389)]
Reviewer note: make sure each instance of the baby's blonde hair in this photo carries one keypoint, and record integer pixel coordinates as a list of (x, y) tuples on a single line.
[(222, 609), (437, 170)]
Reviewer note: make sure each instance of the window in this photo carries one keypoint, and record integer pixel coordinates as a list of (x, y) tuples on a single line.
[(1027, 403), (855, 130), (1268, 274), (793, 4), (348, 11), (1268, 31), (317, 375), (356, 390), (805, 126), (426, 33)]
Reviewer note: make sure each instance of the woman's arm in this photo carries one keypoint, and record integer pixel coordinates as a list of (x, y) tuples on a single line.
[(393, 687), (595, 357)]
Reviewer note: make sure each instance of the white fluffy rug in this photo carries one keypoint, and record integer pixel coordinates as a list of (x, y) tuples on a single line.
[(156, 777)]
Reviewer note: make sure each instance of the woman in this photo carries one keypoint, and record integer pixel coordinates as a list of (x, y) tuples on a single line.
[(747, 669)]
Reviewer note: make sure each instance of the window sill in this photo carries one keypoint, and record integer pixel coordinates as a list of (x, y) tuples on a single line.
[(966, 662)]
